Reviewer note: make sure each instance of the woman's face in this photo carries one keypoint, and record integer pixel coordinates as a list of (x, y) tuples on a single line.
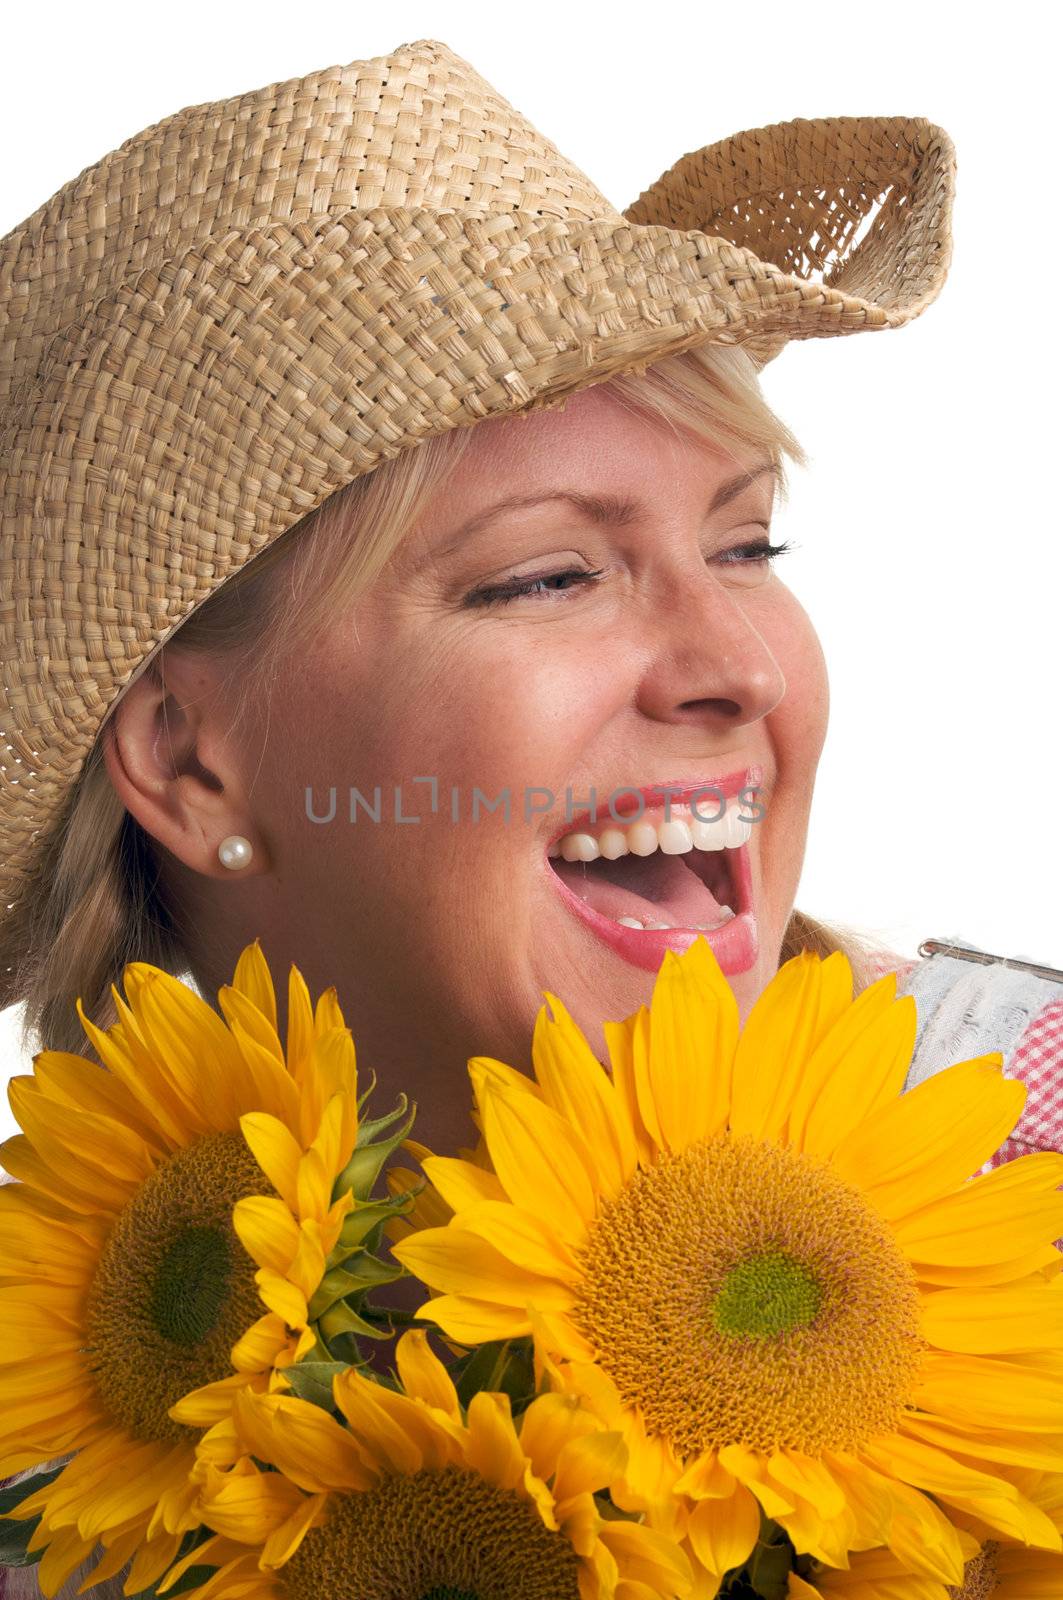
[(683, 661)]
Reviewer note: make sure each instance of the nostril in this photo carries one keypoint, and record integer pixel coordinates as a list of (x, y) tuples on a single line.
[(722, 708)]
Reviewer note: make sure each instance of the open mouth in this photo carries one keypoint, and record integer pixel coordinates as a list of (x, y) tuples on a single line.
[(660, 882), (696, 890)]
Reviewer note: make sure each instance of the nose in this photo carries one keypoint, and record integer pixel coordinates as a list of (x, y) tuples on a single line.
[(708, 663)]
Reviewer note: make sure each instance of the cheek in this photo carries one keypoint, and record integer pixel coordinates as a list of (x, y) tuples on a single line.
[(799, 721), (480, 708)]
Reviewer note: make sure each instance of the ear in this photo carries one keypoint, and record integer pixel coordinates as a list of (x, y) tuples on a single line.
[(175, 764)]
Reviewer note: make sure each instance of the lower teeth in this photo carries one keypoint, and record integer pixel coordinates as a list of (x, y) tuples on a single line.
[(726, 915)]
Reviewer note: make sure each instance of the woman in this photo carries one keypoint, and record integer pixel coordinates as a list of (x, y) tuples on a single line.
[(262, 654)]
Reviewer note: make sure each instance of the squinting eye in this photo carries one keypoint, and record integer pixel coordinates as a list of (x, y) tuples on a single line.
[(752, 562), (519, 588)]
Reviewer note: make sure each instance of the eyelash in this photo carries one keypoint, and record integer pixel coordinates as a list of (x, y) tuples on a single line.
[(525, 588)]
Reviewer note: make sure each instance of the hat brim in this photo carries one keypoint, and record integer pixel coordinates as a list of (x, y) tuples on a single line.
[(223, 392)]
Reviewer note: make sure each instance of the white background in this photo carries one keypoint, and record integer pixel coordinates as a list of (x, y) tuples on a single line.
[(928, 524)]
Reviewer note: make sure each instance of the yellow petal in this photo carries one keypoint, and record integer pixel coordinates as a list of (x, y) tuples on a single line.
[(575, 1084), (903, 1518), (267, 1230), (84, 1086), (522, 1239), (458, 1262), (260, 1080), (307, 1445), (300, 1035), (980, 1393), (493, 1449), (751, 1469), (587, 1465), (150, 1562), (193, 1046), (856, 1069), (282, 1297), (693, 1037), (484, 1070), (423, 1375), (787, 1022), (276, 1151), (285, 1540), (620, 1040), (461, 1183), (392, 1431), (991, 1498), (540, 1161), (260, 1347), (473, 1322), (930, 1141), (252, 978), (1001, 1215), (59, 1131), (250, 1508), (1043, 1264), (822, 1524), (723, 1532), (125, 1055), (32, 1247), (995, 1321), (1041, 1452), (646, 1557), (547, 1425)]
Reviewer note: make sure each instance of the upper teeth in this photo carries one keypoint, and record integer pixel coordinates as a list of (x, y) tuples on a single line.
[(682, 832)]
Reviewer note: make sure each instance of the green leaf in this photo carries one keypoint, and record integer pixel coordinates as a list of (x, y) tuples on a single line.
[(16, 1532), (505, 1366), (364, 1167), (342, 1318), (371, 1129), (14, 1542), (14, 1494), (312, 1380), (360, 1223), (766, 1574), (364, 1273)]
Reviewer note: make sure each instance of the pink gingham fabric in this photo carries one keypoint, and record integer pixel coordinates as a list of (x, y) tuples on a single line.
[(1036, 1059)]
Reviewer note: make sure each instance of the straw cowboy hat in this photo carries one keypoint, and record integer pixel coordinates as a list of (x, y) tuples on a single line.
[(252, 303)]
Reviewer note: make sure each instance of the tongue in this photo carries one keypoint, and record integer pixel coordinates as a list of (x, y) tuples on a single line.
[(655, 888)]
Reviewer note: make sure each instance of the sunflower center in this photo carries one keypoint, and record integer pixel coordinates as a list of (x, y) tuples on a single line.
[(980, 1577), (191, 1285), (446, 1535), (174, 1289), (773, 1307), (766, 1295)]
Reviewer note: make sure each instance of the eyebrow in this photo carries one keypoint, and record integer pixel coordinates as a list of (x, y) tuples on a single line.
[(610, 509)]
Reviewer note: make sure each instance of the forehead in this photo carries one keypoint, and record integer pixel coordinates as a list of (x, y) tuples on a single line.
[(595, 439)]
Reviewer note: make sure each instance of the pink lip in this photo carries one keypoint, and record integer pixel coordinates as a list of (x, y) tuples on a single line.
[(735, 945)]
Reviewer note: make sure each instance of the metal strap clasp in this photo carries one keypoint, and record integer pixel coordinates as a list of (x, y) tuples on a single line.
[(936, 947)]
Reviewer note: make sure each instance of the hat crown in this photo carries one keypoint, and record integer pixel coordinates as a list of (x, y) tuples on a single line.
[(416, 128)]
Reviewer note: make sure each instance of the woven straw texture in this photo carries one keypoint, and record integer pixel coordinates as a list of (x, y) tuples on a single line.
[(253, 302)]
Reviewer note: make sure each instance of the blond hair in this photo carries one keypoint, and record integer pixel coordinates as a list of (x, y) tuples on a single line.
[(97, 903)]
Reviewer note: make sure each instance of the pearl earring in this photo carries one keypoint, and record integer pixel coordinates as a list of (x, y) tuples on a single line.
[(235, 851)]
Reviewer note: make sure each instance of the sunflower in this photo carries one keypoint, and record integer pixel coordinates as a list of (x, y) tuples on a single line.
[(768, 1267), (410, 1499), (125, 1281), (992, 1571)]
